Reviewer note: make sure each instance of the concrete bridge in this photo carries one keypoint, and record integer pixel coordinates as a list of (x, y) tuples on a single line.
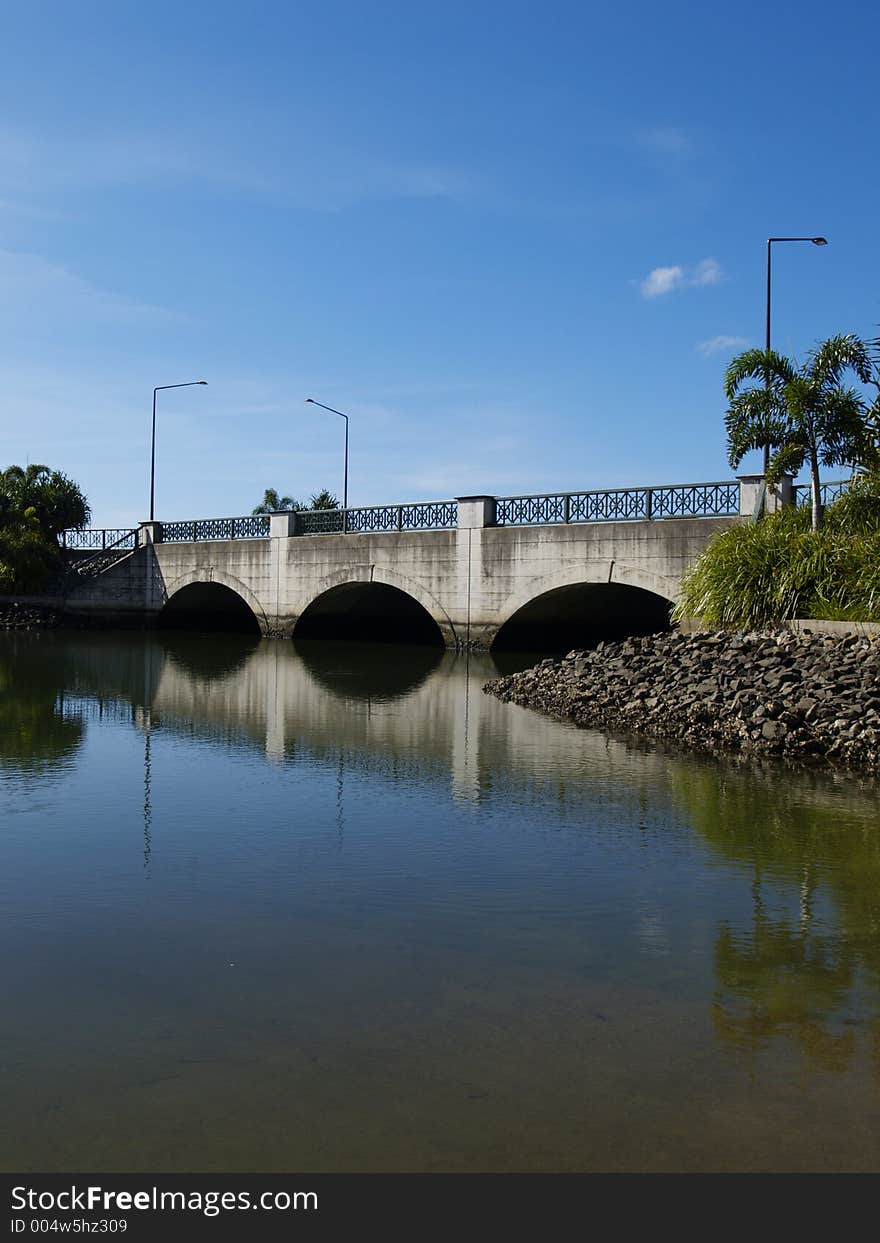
[(527, 571)]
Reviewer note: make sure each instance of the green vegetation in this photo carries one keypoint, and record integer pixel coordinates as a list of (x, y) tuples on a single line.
[(272, 503), (805, 414), (805, 562), (779, 568), (36, 505)]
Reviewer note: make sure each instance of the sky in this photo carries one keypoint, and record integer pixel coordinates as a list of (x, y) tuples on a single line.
[(517, 243)]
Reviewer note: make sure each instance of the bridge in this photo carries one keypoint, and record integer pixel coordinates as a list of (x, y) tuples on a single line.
[(480, 571)]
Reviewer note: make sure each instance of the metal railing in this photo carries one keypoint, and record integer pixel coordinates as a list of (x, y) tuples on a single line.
[(95, 538), (680, 500), (254, 526), (828, 493), (413, 516), (106, 555)]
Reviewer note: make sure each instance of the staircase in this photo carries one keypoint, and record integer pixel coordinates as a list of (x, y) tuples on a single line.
[(81, 569)]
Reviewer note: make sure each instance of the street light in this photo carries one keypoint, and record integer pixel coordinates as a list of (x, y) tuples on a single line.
[(157, 389), (342, 416), (817, 241)]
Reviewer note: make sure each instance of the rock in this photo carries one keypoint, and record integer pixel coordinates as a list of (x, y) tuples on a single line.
[(808, 697)]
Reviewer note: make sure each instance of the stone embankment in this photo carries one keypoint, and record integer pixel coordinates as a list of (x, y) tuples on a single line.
[(804, 697)]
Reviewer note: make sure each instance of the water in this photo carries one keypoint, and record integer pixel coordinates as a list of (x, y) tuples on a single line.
[(321, 908)]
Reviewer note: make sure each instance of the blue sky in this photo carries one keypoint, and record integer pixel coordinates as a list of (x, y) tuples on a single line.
[(517, 243)]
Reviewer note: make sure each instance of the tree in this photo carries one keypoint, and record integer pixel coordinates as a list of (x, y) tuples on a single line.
[(873, 416), (27, 557), (806, 413), (56, 501), (323, 500), (36, 505), (272, 503)]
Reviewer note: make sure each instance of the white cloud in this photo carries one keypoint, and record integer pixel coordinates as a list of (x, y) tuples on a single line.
[(707, 272), (720, 344), (661, 281)]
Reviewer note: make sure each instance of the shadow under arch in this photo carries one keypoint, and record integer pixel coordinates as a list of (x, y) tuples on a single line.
[(368, 612), (368, 671), (209, 657), (580, 615), (208, 607)]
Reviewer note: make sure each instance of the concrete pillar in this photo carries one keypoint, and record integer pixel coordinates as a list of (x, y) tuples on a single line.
[(755, 497), (782, 496), (282, 525), (149, 533), (475, 511)]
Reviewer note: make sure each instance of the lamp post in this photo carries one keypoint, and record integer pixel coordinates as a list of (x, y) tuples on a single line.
[(158, 389), (345, 476), (817, 241)]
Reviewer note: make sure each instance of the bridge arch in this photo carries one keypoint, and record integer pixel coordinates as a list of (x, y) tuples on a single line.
[(375, 603), (210, 598), (578, 606)]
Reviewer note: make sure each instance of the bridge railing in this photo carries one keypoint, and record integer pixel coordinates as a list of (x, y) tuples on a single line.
[(412, 516), (253, 526), (828, 493), (97, 539), (679, 500)]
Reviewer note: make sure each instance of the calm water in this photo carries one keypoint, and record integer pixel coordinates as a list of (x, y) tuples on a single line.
[(320, 908)]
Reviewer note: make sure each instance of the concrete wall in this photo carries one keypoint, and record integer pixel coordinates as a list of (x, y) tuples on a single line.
[(471, 580)]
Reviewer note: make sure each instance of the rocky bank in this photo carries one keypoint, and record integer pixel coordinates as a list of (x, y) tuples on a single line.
[(16, 616), (804, 697)]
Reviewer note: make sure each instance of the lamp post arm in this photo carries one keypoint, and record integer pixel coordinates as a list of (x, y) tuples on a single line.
[(311, 401), (158, 389)]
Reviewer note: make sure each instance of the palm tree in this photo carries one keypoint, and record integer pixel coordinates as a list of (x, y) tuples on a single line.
[(272, 503), (50, 496), (805, 413), (323, 500), (874, 410)]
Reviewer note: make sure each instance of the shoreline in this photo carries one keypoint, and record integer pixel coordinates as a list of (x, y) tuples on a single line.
[(17, 616), (807, 698)]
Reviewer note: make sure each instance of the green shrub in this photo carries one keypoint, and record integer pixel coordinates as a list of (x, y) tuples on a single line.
[(27, 557), (777, 568)]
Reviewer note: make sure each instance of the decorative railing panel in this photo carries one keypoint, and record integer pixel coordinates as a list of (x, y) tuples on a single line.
[(319, 522), (254, 526), (688, 500), (98, 538), (692, 500), (413, 516), (828, 492), (103, 557)]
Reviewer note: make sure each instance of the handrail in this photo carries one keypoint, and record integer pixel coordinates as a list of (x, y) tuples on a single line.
[(97, 538), (720, 498), (673, 500), (251, 526), (828, 492), (110, 554)]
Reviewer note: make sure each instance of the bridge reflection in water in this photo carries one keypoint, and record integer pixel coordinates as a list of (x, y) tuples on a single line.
[(304, 905)]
